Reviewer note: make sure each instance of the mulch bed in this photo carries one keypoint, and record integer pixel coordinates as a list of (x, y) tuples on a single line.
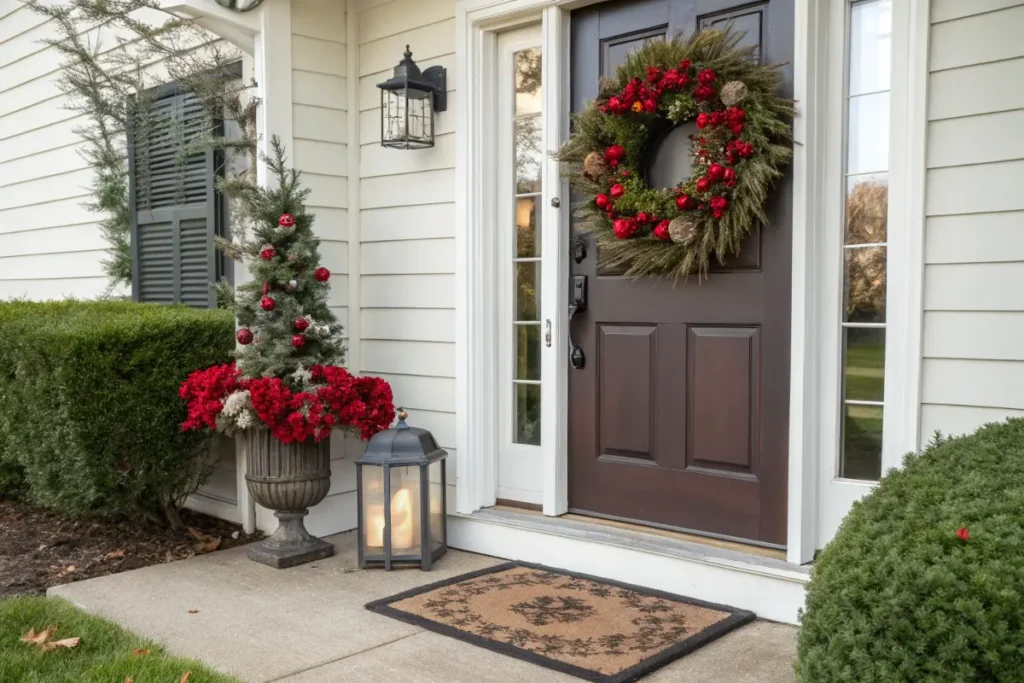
[(40, 549)]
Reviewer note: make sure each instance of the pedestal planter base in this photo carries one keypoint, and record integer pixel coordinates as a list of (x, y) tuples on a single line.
[(289, 479), (291, 544)]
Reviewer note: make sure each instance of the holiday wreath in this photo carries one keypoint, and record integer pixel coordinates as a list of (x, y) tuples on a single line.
[(740, 148)]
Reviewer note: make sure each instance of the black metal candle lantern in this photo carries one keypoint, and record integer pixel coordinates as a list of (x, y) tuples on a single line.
[(408, 101), (402, 500)]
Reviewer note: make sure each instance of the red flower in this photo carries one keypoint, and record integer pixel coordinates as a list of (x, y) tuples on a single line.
[(614, 153), (300, 324), (716, 171), (962, 534), (617, 191), (706, 77), (703, 184), (737, 129), (661, 231), (717, 118), (746, 150), (267, 253), (653, 74), (702, 93), (322, 274), (684, 203), (729, 174), (602, 201), (244, 336), (267, 303), (703, 120), (298, 340), (623, 228), (650, 105), (684, 65), (642, 216), (286, 220)]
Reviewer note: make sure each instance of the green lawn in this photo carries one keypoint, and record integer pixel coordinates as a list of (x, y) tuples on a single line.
[(104, 654)]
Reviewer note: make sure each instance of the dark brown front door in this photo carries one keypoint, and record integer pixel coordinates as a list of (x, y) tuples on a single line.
[(679, 416)]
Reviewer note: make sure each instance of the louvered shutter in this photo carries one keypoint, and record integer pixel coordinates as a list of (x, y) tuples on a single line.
[(176, 210)]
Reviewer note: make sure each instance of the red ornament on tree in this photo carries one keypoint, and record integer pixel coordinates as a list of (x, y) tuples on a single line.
[(286, 220), (322, 274), (962, 534), (267, 303), (301, 324), (267, 253), (244, 336), (617, 191), (298, 340)]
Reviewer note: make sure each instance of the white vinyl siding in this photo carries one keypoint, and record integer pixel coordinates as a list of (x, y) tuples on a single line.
[(973, 366), (408, 223)]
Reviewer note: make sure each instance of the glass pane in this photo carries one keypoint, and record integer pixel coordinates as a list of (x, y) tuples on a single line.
[(436, 505), (527, 291), (865, 363), (373, 508), (529, 155), (527, 227), (527, 352), (405, 511), (862, 442), (867, 144), (867, 209), (870, 46), (526, 421), (865, 285), (528, 81)]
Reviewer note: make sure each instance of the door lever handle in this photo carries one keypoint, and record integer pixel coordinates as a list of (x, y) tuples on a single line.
[(577, 304)]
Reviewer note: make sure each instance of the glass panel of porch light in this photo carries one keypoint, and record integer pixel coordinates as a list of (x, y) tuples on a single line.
[(405, 511), (865, 237), (436, 506), (528, 158), (373, 509)]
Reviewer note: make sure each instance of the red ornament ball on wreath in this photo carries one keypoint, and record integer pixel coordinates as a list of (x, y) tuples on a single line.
[(267, 303), (602, 201), (298, 340), (322, 274), (244, 336), (617, 191), (661, 230), (300, 324), (286, 220), (624, 228)]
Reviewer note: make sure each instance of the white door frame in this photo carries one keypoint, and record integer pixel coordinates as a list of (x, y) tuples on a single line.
[(477, 22)]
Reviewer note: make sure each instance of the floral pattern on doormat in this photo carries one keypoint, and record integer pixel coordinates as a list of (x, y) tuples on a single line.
[(585, 626)]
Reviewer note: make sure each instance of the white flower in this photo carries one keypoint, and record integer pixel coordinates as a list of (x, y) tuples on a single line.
[(245, 420), (236, 403), (302, 375)]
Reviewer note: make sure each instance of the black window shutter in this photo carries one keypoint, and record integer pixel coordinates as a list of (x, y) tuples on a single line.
[(175, 208)]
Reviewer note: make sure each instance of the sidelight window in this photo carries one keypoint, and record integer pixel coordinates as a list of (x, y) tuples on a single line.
[(862, 318)]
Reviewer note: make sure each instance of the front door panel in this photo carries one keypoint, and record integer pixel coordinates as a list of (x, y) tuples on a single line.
[(680, 415)]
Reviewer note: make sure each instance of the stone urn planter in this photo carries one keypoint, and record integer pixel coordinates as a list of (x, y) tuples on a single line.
[(289, 479)]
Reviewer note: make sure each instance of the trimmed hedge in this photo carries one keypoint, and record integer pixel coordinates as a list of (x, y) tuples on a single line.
[(898, 596), (89, 409)]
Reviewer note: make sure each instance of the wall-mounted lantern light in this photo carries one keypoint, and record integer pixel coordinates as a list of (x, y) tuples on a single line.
[(240, 5), (408, 101)]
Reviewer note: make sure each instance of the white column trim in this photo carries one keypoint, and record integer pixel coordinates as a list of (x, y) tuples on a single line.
[(353, 214), (274, 80)]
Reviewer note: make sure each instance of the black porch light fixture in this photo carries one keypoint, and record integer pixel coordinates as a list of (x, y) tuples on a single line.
[(408, 101), (240, 5), (400, 490)]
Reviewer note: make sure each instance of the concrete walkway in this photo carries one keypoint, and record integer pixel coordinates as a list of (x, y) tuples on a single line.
[(308, 625)]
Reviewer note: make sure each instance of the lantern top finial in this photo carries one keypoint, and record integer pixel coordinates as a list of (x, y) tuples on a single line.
[(402, 416)]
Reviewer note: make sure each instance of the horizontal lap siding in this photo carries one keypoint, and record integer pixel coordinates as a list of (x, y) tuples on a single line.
[(50, 244), (973, 364), (407, 198)]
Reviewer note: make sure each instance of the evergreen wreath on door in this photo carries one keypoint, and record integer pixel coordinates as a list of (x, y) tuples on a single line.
[(742, 144)]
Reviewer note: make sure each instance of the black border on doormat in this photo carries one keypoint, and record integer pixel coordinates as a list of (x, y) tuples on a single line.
[(736, 618)]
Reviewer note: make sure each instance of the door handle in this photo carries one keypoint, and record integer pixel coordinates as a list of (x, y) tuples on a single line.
[(577, 304)]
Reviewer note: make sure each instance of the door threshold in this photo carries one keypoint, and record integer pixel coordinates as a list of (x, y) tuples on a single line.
[(647, 539)]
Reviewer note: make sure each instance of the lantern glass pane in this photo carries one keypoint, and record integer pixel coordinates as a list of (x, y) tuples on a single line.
[(436, 506), (420, 120), (405, 511), (373, 509), (394, 115)]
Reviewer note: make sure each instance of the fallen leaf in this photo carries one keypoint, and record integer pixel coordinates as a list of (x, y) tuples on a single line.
[(139, 652), (34, 638), (70, 568), (114, 555), (185, 676), (204, 543), (54, 644), (234, 535), (193, 611), (129, 679), (169, 556)]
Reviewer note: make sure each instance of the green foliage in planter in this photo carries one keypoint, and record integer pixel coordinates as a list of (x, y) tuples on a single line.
[(89, 408), (898, 597)]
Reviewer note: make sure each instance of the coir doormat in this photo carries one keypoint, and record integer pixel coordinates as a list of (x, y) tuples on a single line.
[(594, 629)]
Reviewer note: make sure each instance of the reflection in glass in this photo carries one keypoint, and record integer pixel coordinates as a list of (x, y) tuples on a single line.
[(867, 149), (864, 361), (870, 46), (526, 421), (864, 285), (436, 506), (527, 291), (528, 154), (527, 227), (862, 442), (528, 81), (527, 352), (867, 209)]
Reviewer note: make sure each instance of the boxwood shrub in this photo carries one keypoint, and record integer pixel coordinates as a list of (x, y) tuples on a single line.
[(899, 596), (89, 408)]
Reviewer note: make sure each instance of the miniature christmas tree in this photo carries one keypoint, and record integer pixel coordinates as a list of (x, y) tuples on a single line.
[(284, 323)]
